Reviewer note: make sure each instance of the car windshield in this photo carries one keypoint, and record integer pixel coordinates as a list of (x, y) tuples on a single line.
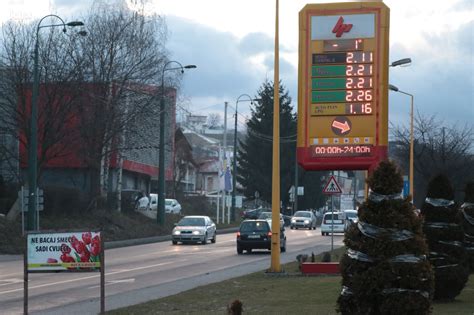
[(351, 214), (304, 214), (256, 226), (191, 222), (168, 202), (265, 215)]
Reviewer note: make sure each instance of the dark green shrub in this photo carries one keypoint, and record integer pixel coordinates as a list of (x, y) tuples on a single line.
[(467, 222), (326, 257), (197, 205), (8, 195), (444, 236), (61, 200), (385, 270)]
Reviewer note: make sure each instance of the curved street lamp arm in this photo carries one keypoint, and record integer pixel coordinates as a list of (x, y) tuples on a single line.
[(63, 24), (238, 99), (167, 69)]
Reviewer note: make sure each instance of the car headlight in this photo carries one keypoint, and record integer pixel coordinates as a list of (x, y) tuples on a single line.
[(196, 232), (177, 232), (293, 221), (306, 221)]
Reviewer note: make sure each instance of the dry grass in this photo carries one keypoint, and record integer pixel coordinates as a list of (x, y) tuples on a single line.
[(262, 293)]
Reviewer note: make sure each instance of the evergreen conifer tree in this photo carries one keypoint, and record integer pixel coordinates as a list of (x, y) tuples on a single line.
[(254, 169), (467, 219), (385, 269), (445, 239)]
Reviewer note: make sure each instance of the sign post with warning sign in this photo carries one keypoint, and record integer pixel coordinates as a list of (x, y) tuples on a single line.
[(332, 188), (343, 85)]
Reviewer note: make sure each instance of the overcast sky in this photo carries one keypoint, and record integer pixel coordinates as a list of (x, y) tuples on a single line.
[(231, 42)]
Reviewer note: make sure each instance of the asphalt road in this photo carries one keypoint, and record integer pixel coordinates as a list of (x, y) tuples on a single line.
[(140, 273)]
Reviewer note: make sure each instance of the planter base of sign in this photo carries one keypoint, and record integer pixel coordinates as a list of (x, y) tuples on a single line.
[(320, 268)]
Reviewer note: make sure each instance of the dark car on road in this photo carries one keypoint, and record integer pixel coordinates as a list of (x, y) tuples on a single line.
[(254, 213), (257, 234)]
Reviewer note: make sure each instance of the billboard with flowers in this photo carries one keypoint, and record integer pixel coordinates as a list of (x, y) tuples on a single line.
[(77, 251)]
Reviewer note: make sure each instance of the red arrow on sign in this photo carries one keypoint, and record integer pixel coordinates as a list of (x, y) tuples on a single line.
[(344, 127)]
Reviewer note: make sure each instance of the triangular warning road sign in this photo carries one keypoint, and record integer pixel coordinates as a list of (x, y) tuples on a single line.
[(332, 187)]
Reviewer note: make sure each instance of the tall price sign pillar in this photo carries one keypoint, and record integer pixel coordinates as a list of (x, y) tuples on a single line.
[(343, 86)]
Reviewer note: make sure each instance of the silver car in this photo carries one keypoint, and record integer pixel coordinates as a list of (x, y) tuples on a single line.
[(194, 229), (303, 219)]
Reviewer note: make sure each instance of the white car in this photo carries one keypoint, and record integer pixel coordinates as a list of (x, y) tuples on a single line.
[(350, 217), (143, 204), (153, 205), (172, 206), (332, 221), (193, 229)]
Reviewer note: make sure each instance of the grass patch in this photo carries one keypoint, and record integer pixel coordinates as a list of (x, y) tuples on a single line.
[(263, 293)]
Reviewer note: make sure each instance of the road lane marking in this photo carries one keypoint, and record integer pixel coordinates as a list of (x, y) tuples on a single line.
[(182, 251), (110, 282), (10, 281), (86, 278), (121, 281)]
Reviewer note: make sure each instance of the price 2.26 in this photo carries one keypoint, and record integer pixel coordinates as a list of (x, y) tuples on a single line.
[(359, 96)]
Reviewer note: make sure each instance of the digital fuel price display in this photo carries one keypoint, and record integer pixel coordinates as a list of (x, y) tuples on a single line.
[(342, 85), (339, 76)]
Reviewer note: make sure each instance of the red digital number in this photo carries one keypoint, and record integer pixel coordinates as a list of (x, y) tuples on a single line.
[(358, 70), (359, 96)]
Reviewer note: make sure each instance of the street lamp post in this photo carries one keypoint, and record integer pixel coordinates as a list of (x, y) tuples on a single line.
[(33, 138), (234, 167), (161, 163), (395, 89)]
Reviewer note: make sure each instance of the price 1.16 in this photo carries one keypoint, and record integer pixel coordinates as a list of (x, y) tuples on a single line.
[(358, 109)]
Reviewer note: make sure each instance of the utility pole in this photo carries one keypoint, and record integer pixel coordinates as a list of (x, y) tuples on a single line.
[(295, 203), (224, 166)]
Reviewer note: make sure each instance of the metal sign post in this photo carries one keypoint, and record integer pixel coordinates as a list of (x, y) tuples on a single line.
[(332, 188), (332, 223)]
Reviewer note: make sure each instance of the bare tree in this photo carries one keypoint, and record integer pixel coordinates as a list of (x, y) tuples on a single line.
[(124, 57), (214, 120), (99, 94), (57, 98), (438, 148)]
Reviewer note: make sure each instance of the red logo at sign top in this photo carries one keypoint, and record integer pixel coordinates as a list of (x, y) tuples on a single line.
[(340, 27)]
